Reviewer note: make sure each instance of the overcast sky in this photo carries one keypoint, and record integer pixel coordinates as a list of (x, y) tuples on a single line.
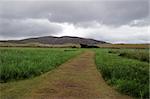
[(115, 21)]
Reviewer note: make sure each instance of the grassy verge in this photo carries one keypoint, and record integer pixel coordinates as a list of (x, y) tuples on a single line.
[(129, 46), (21, 63), (129, 76)]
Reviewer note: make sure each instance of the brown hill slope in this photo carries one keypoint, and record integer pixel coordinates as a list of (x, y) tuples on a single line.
[(57, 40)]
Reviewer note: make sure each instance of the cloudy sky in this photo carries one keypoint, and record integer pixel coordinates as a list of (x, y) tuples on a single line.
[(115, 21)]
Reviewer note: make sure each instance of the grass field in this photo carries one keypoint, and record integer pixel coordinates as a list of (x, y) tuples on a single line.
[(127, 70), (21, 63), (142, 55), (130, 76), (39, 45), (129, 46)]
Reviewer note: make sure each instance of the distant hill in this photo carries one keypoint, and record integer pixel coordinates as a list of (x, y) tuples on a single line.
[(57, 40)]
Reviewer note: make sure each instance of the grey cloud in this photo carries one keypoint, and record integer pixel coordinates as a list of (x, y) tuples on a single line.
[(88, 24), (28, 28), (91, 18), (106, 12), (140, 23)]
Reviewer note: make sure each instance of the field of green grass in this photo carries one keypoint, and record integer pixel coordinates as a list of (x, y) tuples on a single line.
[(129, 74), (127, 70), (21, 63), (139, 54)]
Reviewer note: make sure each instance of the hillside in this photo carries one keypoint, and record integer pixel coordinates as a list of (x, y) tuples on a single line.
[(57, 40)]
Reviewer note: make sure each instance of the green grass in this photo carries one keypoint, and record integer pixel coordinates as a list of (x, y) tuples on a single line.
[(21, 63), (139, 54), (129, 76)]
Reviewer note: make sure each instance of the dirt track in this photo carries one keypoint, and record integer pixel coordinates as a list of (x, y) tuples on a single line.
[(76, 79)]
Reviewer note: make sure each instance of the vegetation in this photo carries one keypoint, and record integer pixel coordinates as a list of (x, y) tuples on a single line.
[(126, 69), (130, 46), (129, 76), (139, 54), (39, 45), (21, 63)]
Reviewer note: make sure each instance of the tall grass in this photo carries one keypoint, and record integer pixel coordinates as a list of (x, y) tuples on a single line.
[(21, 63), (139, 54), (129, 76)]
